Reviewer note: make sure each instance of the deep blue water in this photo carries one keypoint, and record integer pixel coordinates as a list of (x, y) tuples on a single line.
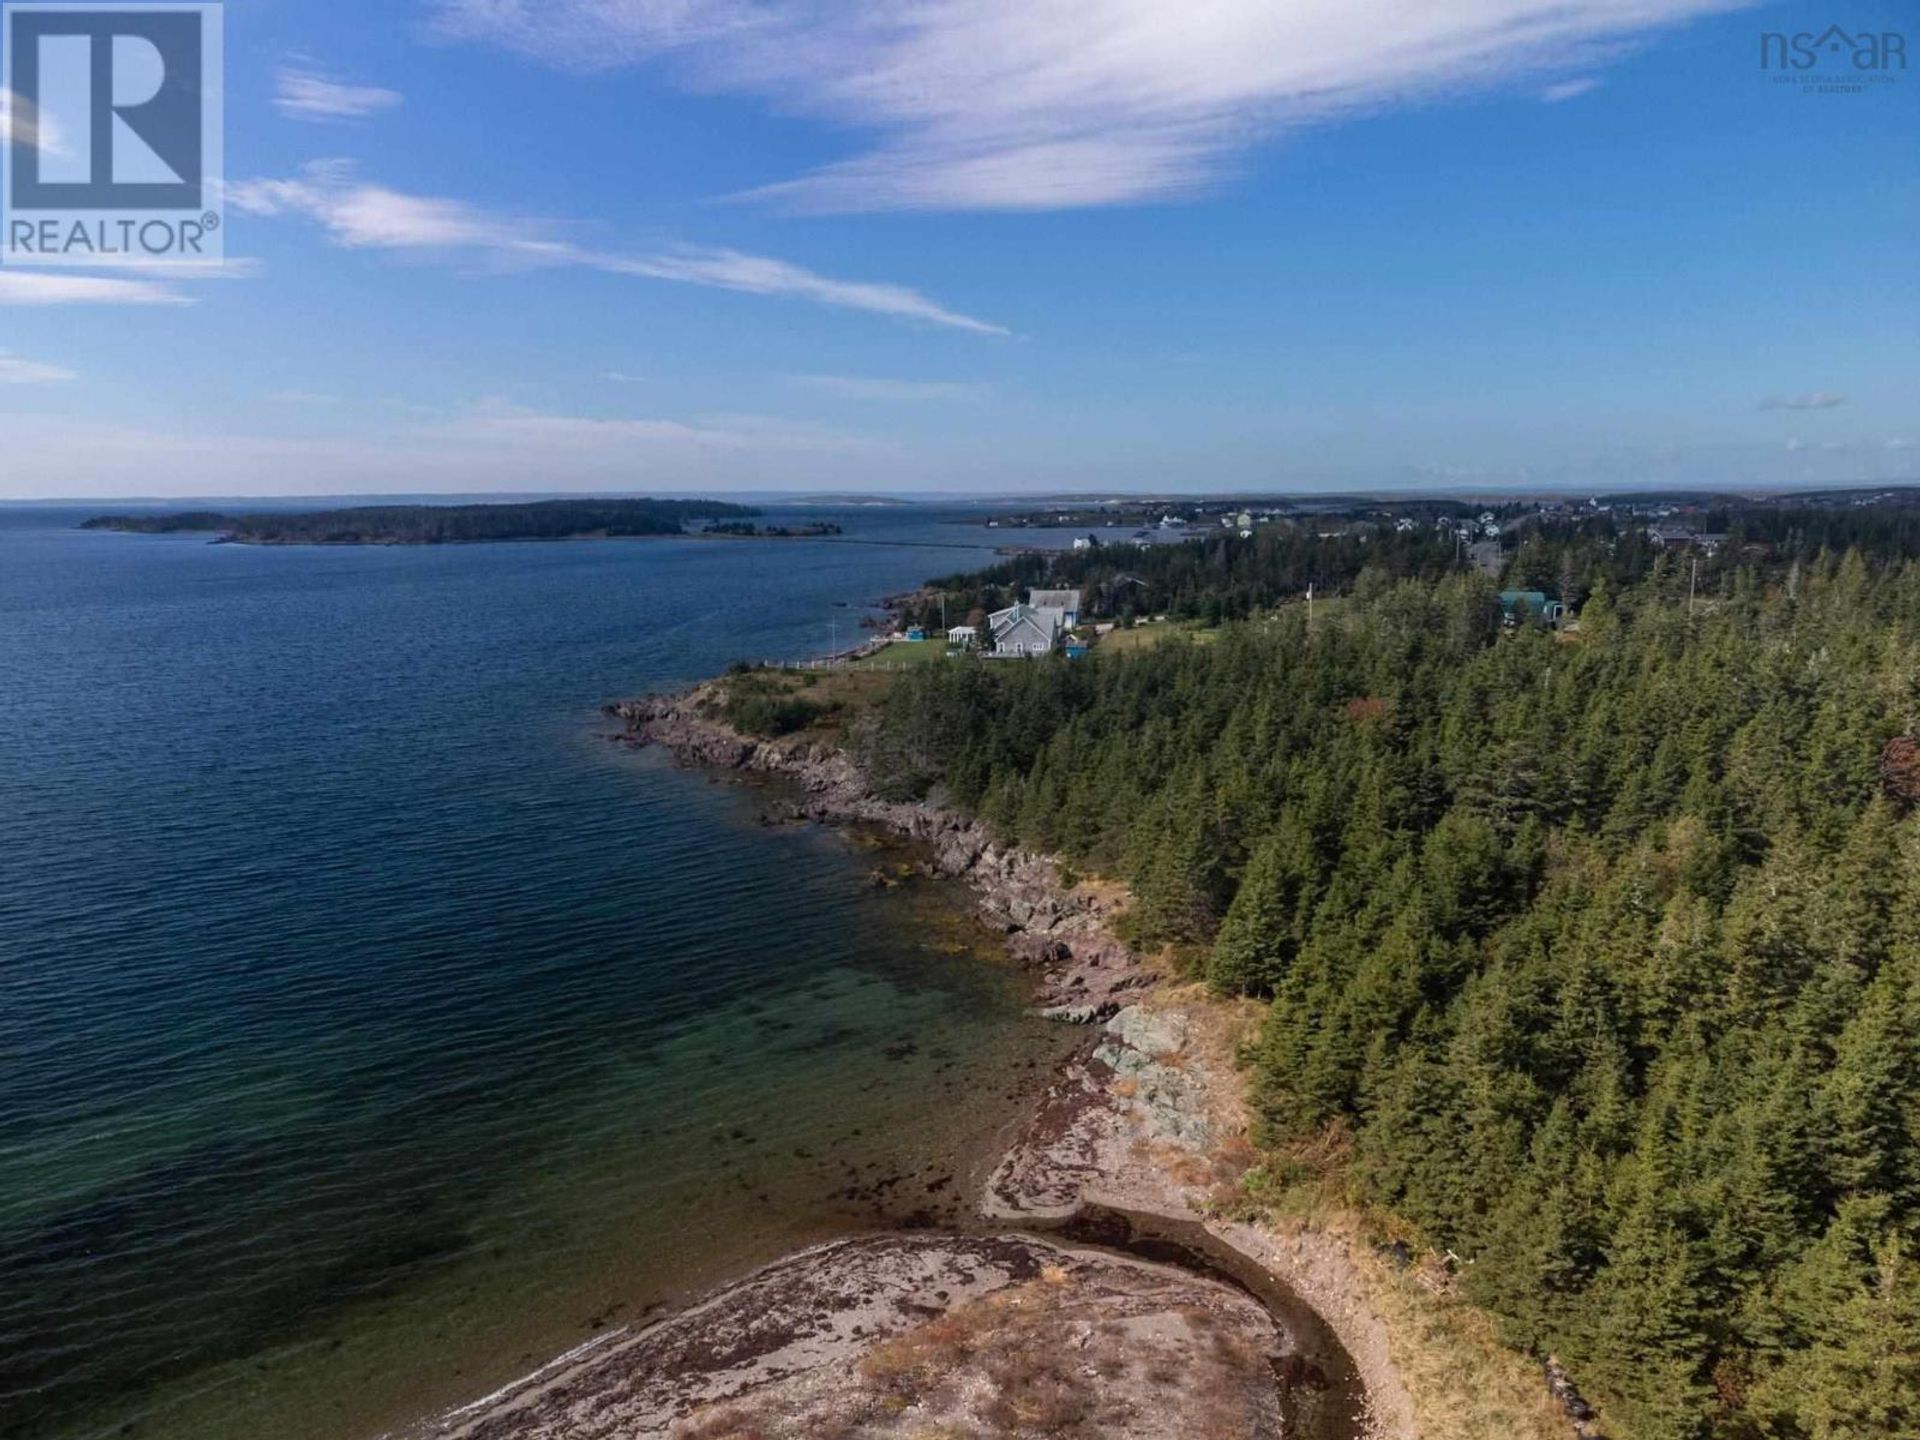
[(369, 1026)]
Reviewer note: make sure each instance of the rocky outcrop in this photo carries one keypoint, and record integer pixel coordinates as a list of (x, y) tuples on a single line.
[(922, 1335), (1087, 974), (1560, 1385)]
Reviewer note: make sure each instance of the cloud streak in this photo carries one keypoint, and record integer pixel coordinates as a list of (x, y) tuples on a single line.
[(1814, 400), (37, 287), (15, 371), (361, 216), (574, 437), (1569, 90), (1056, 104), (860, 387), (303, 94)]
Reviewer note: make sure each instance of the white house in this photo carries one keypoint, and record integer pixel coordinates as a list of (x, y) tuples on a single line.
[(1064, 604)]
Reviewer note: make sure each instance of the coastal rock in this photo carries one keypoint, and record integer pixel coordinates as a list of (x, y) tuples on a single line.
[(1080, 1014), (1038, 949), (1150, 1033), (911, 1336)]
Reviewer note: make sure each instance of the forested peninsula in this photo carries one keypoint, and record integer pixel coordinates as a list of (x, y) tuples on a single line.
[(438, 524), (1589, 957)]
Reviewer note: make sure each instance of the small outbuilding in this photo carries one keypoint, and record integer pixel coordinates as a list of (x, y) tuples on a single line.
[(1521, 606)]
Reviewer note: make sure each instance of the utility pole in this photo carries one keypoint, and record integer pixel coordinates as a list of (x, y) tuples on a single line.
[(1693, 586), (1309, 607)]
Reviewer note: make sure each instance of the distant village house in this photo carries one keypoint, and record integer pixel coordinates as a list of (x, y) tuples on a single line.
[(1685, 537)]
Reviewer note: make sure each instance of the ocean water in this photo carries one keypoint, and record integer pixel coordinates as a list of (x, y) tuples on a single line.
[(371, 1029)]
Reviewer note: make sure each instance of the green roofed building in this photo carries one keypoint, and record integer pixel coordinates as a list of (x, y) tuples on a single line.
[(1520, 606)]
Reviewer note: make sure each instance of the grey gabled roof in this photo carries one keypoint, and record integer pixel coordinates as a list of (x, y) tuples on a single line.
[(1055, 600), (1036, 625)]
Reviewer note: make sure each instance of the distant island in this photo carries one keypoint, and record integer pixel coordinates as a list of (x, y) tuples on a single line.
[(846, 501), (438, 524), (748, 531)]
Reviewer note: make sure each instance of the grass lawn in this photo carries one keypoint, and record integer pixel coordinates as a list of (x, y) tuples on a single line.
[(841, 691), (1145, 637), (905, 652)]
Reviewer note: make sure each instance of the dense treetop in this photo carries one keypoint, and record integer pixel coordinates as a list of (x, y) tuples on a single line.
[(1223, 576), (1596, 956)]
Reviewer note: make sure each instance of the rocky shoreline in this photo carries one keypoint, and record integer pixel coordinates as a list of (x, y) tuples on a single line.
[(1143, 1125), (1097, 1284), (920, 1335), (1179, 1322), (1086, 974)]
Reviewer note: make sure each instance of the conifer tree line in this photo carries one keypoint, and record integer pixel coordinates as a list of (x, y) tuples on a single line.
[(1597, 956), (1224, 576), (1219, 578)]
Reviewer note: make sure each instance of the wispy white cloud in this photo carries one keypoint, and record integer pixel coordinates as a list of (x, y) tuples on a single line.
[(39, 287), (563, 436), (1051, 104), (1569, 89), (359, 215), (622, 377), (15, 371), (175, 272), (1814, 400), (302, 397), (860, 387), (760, 275), (307, 94)]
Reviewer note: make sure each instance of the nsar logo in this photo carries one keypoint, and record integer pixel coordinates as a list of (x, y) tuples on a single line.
[(1834, 61)]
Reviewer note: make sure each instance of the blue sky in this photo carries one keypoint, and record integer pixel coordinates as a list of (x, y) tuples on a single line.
[(1004, 246)]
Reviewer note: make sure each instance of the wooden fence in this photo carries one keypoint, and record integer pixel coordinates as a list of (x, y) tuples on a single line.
[(840, 663)]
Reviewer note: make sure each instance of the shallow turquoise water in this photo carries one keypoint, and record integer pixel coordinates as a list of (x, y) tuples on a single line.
[(370, 1028)]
